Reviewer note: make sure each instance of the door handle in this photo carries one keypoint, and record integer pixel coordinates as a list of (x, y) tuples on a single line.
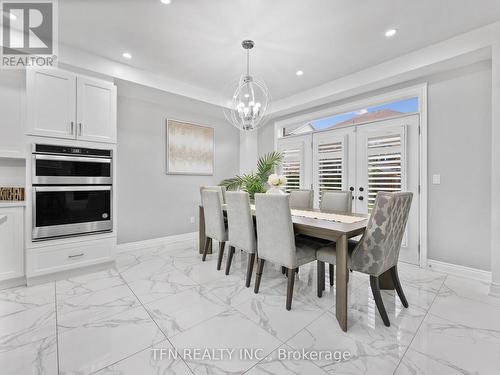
[(72, 127), (360, 198), (3, 219), (79, 128)]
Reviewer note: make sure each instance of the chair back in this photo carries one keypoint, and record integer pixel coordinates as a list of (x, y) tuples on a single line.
[(214, 217), (336, 201), (378, 249), (301, 199), (221, 189), (276, 239), (240, 221)]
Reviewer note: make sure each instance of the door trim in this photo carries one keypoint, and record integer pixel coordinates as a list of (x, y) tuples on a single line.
[(419, 91)]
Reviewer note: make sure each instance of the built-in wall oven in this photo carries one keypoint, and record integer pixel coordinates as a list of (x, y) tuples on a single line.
[(72, 191)]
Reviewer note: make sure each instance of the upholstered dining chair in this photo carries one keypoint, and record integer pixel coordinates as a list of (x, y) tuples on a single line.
[(336, 201), (378, 249), (215, 228), (301, 199), (339, 201), (221, 189), (241, 230), (277, 242)]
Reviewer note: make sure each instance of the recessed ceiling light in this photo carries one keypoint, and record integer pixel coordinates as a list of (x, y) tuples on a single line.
[(390, 33), (299, 73), (166, 2), (127, 55)]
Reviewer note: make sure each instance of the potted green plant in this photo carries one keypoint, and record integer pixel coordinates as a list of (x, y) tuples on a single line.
[(255, 182)]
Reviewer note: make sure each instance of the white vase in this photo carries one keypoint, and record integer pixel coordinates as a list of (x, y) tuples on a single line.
[(275, 190)]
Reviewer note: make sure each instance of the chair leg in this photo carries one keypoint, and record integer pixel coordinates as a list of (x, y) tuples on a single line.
[(221, 254), (260, 268), (208, 242), (397, 286), (374, 283), (251, 261), (331, 272), (289, 290), (320, 270), (229, 259)]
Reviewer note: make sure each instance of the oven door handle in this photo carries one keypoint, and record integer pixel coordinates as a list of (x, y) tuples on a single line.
[(81, 159), (70, 188)]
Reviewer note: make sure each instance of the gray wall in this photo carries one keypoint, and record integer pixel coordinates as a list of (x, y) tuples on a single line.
[(459, 149), (150, 203)]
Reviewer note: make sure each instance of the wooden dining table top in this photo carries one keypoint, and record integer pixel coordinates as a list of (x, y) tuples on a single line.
[(325, 229)]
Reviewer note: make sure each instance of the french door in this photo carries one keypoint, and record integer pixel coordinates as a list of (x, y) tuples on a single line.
[(387, 159), (365, 159)]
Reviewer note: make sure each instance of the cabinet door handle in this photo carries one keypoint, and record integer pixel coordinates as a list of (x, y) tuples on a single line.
[(80, 129), (72, 127), (76, 255), (3, 219)]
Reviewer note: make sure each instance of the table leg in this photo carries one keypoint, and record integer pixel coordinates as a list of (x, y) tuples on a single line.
[(201, 232), (341, 282), (385, 281)]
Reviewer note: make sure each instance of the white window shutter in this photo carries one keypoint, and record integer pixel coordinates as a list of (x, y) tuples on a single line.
[(386, 164), (292, 166), (329, 159)]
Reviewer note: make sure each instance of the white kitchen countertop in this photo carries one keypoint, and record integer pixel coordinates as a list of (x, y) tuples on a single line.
[(7, 204)]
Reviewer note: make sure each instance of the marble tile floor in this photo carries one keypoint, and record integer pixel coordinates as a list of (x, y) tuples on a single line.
[(162, 311)]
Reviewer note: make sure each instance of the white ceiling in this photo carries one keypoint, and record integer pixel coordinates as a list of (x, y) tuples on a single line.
[(197, 42)]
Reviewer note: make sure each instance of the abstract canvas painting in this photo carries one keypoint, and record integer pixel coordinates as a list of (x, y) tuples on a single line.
[(190, 148)]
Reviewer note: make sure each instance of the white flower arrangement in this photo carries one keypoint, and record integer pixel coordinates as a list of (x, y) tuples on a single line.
[(276, 180)]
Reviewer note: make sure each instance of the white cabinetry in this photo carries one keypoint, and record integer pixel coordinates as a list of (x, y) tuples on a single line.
[(12, 95), (66, 105), (11, 243), (96, 110)]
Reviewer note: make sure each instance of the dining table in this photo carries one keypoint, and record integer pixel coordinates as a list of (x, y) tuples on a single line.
[(314, 224)]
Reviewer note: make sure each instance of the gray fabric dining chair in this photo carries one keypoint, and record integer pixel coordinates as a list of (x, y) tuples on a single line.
[(221, 189), (378, 249), (215, 228), (336, 201), (241, 230), (277, 242), (301, 199), (339, 201)]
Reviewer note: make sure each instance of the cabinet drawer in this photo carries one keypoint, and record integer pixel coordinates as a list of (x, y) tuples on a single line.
[(66, 257)]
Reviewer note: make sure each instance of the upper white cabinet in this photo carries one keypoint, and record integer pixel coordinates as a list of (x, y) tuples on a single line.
[(12, 96), (66, 105), (51, 103), (96, 110), (11, 243)]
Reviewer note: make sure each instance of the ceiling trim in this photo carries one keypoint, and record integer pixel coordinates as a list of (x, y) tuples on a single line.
[(78, 58), (469, 47)]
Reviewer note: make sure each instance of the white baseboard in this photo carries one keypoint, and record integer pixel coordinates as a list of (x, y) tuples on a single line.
[(495, 289), (130, 246), (457, 270)]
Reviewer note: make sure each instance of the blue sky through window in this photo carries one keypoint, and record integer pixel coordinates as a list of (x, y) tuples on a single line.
[(403, 106)]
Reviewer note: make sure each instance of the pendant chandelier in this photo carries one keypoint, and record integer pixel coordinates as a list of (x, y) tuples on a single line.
[(250, 100)]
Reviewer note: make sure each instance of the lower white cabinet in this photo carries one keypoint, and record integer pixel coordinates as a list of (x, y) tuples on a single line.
[(64, 257), (11, 243)]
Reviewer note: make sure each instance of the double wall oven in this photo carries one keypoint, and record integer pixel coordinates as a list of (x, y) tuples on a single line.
[(72, 191)]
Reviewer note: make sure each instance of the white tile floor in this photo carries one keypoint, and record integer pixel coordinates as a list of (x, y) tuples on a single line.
[(166, 298)]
